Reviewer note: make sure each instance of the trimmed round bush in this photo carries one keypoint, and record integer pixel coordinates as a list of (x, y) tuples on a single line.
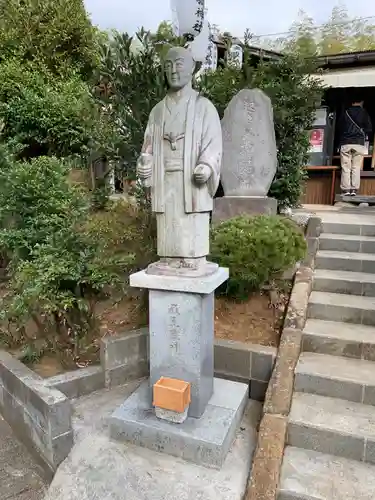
[(256, 250)]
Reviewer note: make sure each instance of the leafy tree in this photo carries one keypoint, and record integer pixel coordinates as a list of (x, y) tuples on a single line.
[(165, 38), (55, 33), (338, 34), (46, 115), (363, 36), (164, 33), (128, 86), (302, 38)]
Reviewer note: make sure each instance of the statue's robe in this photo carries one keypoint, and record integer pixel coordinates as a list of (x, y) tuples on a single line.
[(182, 133)]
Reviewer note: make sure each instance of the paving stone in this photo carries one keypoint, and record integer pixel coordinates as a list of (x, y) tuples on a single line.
[(341, 228), (340, 242), (345, 261), (344, 282), (339, 339), (347, 243), (309, 475), (341, 307), (335, 376), (330, 425)]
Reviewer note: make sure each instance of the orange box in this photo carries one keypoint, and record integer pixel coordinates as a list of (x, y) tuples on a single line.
[(172, 394)]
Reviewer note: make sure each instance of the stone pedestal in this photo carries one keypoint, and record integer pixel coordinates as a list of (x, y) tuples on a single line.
[(182, 347), (231, 206), (182, 330)]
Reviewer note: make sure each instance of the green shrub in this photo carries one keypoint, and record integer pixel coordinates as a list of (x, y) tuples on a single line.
[(256, 250), (122, 230), (58, 271), (36, 201), (55, 33), (43, 115)]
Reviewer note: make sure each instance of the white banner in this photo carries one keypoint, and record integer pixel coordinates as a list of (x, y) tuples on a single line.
[(199, 46), (189, 14), (212, 55), (235, 56), (211, 59)]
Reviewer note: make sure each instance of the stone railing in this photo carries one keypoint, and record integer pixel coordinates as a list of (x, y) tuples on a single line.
[(268, 456)]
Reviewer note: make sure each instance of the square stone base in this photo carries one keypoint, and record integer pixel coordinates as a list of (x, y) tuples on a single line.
[(204, 441), (232, 206)]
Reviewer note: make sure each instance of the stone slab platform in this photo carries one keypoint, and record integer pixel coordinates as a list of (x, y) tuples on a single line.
[(228, 207), (204, 441), (203, 285), (355, 200), (99, 468)]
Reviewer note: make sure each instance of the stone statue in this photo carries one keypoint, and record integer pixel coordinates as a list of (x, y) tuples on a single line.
[(181, 161)]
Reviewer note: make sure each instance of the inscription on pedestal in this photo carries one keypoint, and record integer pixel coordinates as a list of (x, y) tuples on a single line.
[(174, 329), (181, 342)]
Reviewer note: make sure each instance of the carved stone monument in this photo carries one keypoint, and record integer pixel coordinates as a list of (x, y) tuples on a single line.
[(249, 156), (180, 162)]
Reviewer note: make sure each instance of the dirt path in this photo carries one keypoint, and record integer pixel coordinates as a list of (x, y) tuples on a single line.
[(19, 476)]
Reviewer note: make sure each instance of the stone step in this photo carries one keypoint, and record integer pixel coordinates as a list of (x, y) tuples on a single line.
[(340, 307), (345, 261), (336, 377), (309, 475), (361, 226), (333, 426), (347, 243), (348, 282), (339, 339)]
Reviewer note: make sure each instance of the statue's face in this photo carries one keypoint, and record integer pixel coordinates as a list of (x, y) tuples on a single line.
[(179, 67)]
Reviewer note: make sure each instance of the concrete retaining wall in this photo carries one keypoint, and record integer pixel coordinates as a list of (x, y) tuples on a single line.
[(249, 363), (126, 357), (39, 415), (78, 383)]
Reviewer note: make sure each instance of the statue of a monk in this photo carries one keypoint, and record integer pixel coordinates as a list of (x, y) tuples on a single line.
[(180, 161)]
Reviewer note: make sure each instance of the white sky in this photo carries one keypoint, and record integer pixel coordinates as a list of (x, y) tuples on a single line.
[(260, 16)]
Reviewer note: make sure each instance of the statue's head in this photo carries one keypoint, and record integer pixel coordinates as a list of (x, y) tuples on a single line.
[(179, 67)]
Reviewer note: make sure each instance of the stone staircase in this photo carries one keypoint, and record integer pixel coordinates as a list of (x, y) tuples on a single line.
[(331, 430)]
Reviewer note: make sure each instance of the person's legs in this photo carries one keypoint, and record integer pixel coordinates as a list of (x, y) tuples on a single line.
[(346, 168), (358, 152)]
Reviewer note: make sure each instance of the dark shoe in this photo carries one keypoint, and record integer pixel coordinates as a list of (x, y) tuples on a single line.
[(353, 192), (346, 193)]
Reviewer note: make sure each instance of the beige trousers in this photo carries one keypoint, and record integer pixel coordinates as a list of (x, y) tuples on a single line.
[(351, 163)]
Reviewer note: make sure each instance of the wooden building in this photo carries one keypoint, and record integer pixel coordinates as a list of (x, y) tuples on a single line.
[(345, 76)]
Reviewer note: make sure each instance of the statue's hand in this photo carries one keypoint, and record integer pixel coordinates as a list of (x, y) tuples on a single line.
[(144, 166), (201, 174)]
